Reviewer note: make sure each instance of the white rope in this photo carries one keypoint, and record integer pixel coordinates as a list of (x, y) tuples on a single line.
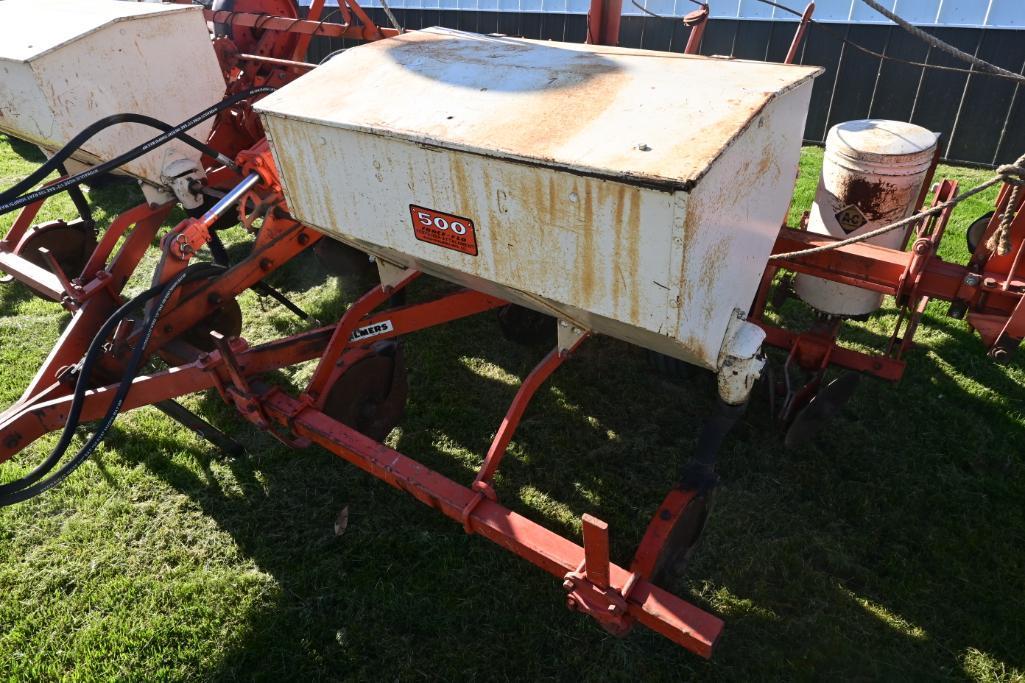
[(1012, 174)]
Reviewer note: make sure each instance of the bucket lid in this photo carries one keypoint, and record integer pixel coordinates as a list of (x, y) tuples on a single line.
[(882, 140)]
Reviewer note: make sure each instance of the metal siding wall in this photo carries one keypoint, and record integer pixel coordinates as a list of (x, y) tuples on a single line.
[(951, 13), (982, 118)]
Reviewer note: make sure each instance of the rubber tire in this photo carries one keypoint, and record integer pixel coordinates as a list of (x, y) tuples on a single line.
[(526, 326), (973, 235)]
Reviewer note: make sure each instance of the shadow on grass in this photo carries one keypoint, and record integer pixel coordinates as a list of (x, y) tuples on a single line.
[(26, 150), (12, 295), (886, 548)]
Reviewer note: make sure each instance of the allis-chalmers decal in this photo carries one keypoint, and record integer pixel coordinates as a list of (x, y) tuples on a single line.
[(372, 330)]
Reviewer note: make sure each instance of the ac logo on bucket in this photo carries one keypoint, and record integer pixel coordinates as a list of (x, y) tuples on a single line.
[(850, 218)]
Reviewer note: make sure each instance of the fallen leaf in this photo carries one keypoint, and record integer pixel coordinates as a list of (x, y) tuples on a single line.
[(342, 522)]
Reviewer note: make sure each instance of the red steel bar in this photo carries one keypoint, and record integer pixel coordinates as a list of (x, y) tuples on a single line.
[(312, 14), (659, 529), (802, 29), (655, 608), (46, 409), (596, 550), (290, 63), (327, 368), (37, 279), (881, 366), (866, 265), (603, 21), (649, 605), (512, 418), (301, 26), (696, 20)]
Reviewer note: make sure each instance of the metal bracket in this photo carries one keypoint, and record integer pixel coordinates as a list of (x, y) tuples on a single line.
[(569, 336), (589, 588), (391, 275), (740, 359)]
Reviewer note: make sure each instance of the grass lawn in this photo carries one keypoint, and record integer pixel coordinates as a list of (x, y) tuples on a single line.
[(892, 547)]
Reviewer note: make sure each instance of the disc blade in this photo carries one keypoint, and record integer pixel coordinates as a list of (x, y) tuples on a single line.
[(823, 407)]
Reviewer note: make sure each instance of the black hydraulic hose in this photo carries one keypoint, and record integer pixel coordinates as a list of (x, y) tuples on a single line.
[(148, 146), (30, 485), (55, 162)]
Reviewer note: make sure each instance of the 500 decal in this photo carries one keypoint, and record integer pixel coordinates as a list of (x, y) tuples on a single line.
[(444, 229)]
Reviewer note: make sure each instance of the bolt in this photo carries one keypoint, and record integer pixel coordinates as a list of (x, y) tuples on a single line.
[(214, 299), (613, 609), (303, 239), (265, 264), (12, 440), (971, 280), (568, 584)]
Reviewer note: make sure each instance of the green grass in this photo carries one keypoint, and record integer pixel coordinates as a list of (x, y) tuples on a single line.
[(892, 547)]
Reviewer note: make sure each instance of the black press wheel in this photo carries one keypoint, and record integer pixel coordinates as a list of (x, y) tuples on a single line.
[(683, 539), (976, 230), (371, 395), (527, 326)]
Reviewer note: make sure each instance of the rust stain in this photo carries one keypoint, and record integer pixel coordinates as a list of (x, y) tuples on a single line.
[(873, 198), (633, 254), (768, 160), (692, 218), (618, 279), (462, 190), (569, 107), (554, 206), (712, 265), (585, 269)]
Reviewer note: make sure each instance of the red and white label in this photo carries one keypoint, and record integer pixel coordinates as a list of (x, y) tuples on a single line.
[(444, 229)]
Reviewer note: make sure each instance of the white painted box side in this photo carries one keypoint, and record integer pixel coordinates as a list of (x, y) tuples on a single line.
[(159, 63), (572, 239), (657, 269), (663, 261), (732, 220)]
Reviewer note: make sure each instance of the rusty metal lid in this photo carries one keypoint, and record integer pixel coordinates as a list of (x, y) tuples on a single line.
[(629, 115), (30, 29), (880, 140)]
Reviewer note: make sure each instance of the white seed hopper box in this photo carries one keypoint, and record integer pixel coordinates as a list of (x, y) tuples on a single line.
[(64, 64), (633, 193)]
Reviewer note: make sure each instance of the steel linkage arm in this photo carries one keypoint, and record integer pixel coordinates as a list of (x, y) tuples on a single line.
[(624, 598), (366, 31)]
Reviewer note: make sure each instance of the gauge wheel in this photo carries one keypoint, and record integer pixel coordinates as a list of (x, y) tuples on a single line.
[(976, 230), (71, 244), (371, 395), (526, 326)]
